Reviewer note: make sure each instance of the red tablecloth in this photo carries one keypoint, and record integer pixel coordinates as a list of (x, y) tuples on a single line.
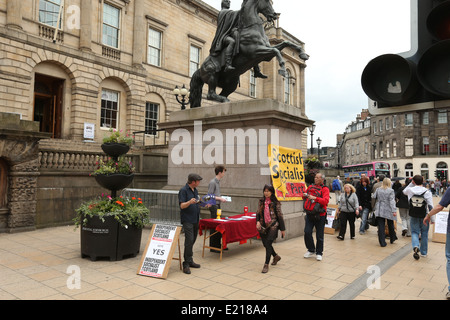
[(232, 230)]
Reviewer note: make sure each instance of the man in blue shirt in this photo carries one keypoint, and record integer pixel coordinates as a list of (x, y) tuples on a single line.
[(445, 201), (190, 216)]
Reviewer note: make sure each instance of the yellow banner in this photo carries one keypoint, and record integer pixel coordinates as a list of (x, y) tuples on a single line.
[(286, 169)]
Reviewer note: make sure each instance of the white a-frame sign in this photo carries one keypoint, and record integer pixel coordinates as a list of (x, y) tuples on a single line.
[(159, 251)]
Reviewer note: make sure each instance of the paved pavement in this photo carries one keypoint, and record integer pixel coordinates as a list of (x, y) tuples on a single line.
[(37, 265)]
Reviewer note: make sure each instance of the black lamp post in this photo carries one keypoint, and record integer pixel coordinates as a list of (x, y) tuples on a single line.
[(311, 129), (318, 141), (184, 93)]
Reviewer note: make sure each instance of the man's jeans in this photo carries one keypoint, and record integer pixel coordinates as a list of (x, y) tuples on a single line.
[(320, 229), (419, 229), (190, 235)]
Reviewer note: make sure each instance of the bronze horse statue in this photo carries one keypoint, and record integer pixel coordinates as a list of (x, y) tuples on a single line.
[(253, 48)]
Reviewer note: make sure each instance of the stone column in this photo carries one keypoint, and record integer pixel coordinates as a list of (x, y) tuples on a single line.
[(14, 14), (139, 40), (86, 25)]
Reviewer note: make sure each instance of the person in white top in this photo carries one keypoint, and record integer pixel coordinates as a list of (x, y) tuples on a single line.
[(417, 213)]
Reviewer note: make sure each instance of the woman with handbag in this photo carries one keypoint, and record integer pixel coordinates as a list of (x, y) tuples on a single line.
[(385, 210), (348, 210), (269, 219)]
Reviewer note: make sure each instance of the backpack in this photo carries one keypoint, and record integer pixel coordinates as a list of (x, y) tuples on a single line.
[(312, 208), (336, 185), (418, 206)]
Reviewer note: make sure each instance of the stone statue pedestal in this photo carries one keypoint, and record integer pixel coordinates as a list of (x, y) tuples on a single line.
[(236, 135)]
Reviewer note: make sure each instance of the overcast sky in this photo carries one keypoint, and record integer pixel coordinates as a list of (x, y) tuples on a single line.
[(341, 37)]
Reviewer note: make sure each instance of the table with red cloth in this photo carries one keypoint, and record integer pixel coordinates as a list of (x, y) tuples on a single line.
[(232, 230)]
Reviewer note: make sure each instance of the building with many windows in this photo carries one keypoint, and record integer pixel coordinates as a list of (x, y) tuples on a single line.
[(412, 142), (108, 64)]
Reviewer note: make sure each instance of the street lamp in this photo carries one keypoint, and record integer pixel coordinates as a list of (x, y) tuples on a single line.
[(318, 141), (311, 129), (339, 144), (184, 93)]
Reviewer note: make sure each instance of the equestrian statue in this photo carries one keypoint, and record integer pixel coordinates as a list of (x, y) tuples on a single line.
[(240, 44)]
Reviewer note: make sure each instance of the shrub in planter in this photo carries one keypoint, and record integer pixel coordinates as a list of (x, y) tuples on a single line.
[(111, 227)]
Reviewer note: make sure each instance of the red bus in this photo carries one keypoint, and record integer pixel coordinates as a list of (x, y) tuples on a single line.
[(371, 170)]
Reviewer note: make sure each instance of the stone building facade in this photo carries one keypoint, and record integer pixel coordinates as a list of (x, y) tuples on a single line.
[(412, 142), (111, 64)]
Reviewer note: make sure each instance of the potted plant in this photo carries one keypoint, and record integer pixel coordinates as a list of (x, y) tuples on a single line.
[(111, 227), (114, 174), (117, 143)]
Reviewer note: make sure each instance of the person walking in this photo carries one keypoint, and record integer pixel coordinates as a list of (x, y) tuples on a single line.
[(445, 201), (385, 211), (364, 194), (320, 194), (190, 217), (420, 199), (269, 219), (348, 210), (337, 186), (403, 208)]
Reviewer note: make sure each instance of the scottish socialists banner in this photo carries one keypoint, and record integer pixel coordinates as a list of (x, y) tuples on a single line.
[(286, 169)]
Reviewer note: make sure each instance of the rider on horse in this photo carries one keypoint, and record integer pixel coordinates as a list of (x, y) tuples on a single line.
[(227, 39)]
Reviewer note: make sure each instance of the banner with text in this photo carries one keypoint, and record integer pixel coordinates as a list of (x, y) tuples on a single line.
[(158, 254), (286, 169)]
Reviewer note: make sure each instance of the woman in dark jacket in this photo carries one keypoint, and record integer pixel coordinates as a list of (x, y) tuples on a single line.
[(364, 194), (269, 219), (403, 208)]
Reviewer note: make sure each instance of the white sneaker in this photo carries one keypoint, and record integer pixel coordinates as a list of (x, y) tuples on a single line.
[(309, 254), (319, 257)]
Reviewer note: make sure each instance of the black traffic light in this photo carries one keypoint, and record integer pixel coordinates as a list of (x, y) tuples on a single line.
[(440, 174), (421, 76)]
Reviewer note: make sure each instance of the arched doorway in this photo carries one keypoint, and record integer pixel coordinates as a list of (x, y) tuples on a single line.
[(48, 101)]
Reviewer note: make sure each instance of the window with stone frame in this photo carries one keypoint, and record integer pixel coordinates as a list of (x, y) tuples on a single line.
[(409, 147), (49, 11), (443, 145), (109, 109), (394, 148), (151, 118), (154, 47), (252, 84), (442, 117), (426, 145), (111, 26), (194, 59), (408, 119)]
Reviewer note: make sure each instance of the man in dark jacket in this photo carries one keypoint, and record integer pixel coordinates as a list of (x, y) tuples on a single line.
[(403, 208), (190, 217)]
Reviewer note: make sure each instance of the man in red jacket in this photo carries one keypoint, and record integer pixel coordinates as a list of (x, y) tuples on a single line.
[(323, 197)]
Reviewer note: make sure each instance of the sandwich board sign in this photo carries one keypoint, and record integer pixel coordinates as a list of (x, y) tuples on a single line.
[(158, 254)]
